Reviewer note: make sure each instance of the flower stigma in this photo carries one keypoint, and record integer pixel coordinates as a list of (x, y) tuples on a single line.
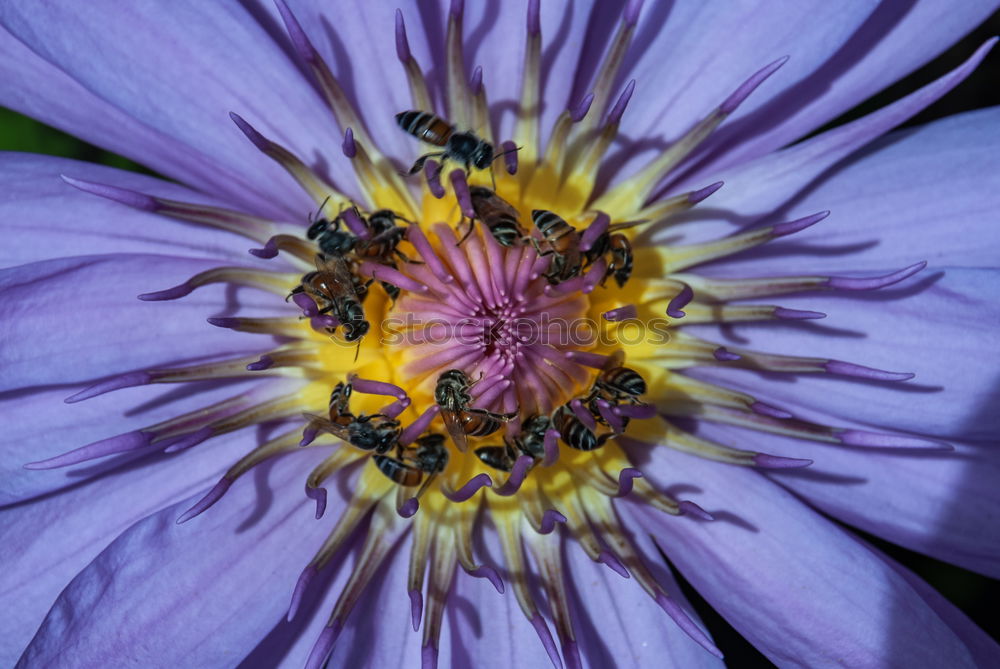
[(488, 339)]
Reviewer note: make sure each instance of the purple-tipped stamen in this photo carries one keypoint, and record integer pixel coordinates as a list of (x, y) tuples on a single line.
[(352, 219), (799, 224), (432, 172), (408, 508), (582, 414), (309, 435), (324, 323), (471, 487), (393, 276), (319, 495), (269, 251), (210, 498), (186, 441), (122, 443), (306, 304), (461, 188), (265, 362), (796, 314), (416, 237), (419, 426), (516, 478), (579, 112), (593, 231), (490, 574), (547, 641), (850, 369), (224, 322), (881, 440), (349, 146), (534, 17), (129, 380), (737, 97), (416, 608), (625, 479), (301, 585), (626, 313), (476, 81), (641, 411), (369, 387), (766, 461), (680, 301), (678, 615), (688, 508), (174, 293), (402, 44), (127, 197), (723, 355), (251, 133), (611, 560), (696, 196), (631, 14), (874, 282), (549, 520), (510, 156), (324, 645), (395, 409), (615, 116), (551, 445), (610, 417)]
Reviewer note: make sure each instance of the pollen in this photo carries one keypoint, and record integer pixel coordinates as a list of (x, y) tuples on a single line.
[(486, 338)]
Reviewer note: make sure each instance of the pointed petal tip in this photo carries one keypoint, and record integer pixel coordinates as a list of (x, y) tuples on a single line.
[(428, 656), (251, 133), (548, 643), (610, 560), (124, 196), (206, 502), (765, 461), (881, 440), (686, 507), (696, 196), (875, 282), (738, 96), (324, 645), (850, 369), (785, 314), (122, 443), (679, 616), (416, 608), (799, 224), (301, 585), (129, 380)]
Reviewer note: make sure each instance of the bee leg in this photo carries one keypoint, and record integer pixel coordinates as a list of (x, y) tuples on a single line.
[(419, 164), (406, 258), (472, 224)]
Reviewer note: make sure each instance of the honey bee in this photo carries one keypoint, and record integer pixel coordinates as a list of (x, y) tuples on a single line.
[(574, 432), (452, 394), (616, 383), (429, 456), (530, 441), (618, 246), (462, 147), (564, 245), (338, 291), (498, 215), (373, 432)]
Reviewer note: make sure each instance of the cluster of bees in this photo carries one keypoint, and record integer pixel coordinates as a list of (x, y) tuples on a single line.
[(338, 290), (428, 456)]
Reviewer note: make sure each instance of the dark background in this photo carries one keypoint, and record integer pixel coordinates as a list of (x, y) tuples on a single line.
[(976, 595)]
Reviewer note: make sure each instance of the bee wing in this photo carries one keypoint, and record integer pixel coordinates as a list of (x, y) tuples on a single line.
[(323, 424), (455, 429)]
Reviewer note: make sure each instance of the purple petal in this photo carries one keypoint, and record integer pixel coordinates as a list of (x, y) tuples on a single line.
[(39, 425), (102, 329), (766, 549), (47, 218), (618, 624), (932, 503), (208, 569), (938, 328), (840, 56), (218, 50), (47, 541), (916, 195)]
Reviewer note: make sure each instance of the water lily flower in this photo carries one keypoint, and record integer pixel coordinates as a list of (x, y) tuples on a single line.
[(618, 309)]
